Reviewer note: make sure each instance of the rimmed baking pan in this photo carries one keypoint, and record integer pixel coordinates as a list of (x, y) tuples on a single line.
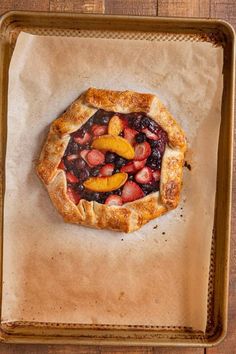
[(219, 33)]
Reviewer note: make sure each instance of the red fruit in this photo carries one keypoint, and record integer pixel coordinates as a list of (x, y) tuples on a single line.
[(74, 197), (62, 165), (71, 178), (149, 134), (84, 154), (144, 175), (139, 164), (113, 200), (129, 134), (125, 123), (131, 191), (156, 175), (107, 170), (98, 130), (72, 157), (86, 138), (142, 151), (95, 157), (128, 168)]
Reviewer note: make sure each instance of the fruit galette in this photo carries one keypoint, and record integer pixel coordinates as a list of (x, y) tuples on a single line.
[(113, 160)]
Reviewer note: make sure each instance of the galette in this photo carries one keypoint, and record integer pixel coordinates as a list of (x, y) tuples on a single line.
[(113, 160)]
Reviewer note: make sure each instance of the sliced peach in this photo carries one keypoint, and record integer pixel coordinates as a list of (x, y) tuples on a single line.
[(106, 184), (115, 144), (115, 126)]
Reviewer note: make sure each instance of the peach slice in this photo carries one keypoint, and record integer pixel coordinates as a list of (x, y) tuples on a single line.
[(115, 144), (106, 184), (115, 126)]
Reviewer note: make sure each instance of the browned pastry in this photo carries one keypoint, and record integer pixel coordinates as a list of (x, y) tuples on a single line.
[(113, 160)]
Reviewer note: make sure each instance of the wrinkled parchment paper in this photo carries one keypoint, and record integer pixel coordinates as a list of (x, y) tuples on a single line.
[(57, 272)]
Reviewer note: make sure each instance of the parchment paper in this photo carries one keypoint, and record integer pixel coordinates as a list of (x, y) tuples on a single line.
[(57, 272)]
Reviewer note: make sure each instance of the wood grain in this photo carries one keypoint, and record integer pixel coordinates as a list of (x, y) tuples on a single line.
[(34, 5), (81, 6), (131, 7), (187, 8), (227, 10)]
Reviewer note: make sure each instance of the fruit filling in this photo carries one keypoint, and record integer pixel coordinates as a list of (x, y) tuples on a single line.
[(114, 158)]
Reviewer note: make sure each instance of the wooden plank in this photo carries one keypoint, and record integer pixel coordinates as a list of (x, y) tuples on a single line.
[(178, 350), (131, 7), (87, 6), (187, 8), (128, 350), (227, 10), (23, 349), (35, 5)]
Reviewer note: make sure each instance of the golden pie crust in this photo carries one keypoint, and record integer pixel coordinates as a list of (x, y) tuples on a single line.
[(130, 216)]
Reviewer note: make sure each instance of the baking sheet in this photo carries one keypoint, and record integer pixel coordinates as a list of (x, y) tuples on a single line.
[(55, 272)]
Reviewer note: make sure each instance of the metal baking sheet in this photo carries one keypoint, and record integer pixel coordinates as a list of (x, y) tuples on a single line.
[(219, 33)]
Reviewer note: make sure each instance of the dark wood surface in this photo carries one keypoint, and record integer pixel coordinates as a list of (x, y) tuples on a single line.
[(225, 9)]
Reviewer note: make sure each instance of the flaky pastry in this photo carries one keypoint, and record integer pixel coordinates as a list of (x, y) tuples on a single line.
[(113, 160)]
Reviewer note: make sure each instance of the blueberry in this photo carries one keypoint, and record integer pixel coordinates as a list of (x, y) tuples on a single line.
[(94, 171), (88, 195), (102, 117), (120, 161), (152, 126), (84, 174), (116, 170), (110, 157), (156, 154), (72, 148), (131, 178), (80, 164), (145, 122), (79, 188), (148, 188), (153, 143), (118, 191), (153, 162), (69, 165), (137, 123), (85, 147), (105, 120), (140, 137)]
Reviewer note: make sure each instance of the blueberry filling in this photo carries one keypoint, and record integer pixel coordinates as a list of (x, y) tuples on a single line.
[(80, 163)]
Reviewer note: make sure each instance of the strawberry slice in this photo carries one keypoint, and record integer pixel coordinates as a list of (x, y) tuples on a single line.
[(149, 134), (98, 130), (156, 175), (139, 164), (107, 170), (71, 178), (144, 175), (131, 191), (142, 151), (129, 134), (72, 157), (95, 157), (84, 140), (128, 168), (62, 165), (83, 154), (74, 197), (113, 200)]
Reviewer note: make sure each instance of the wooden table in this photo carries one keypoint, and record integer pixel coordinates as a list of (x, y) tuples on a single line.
[(225, 9)]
